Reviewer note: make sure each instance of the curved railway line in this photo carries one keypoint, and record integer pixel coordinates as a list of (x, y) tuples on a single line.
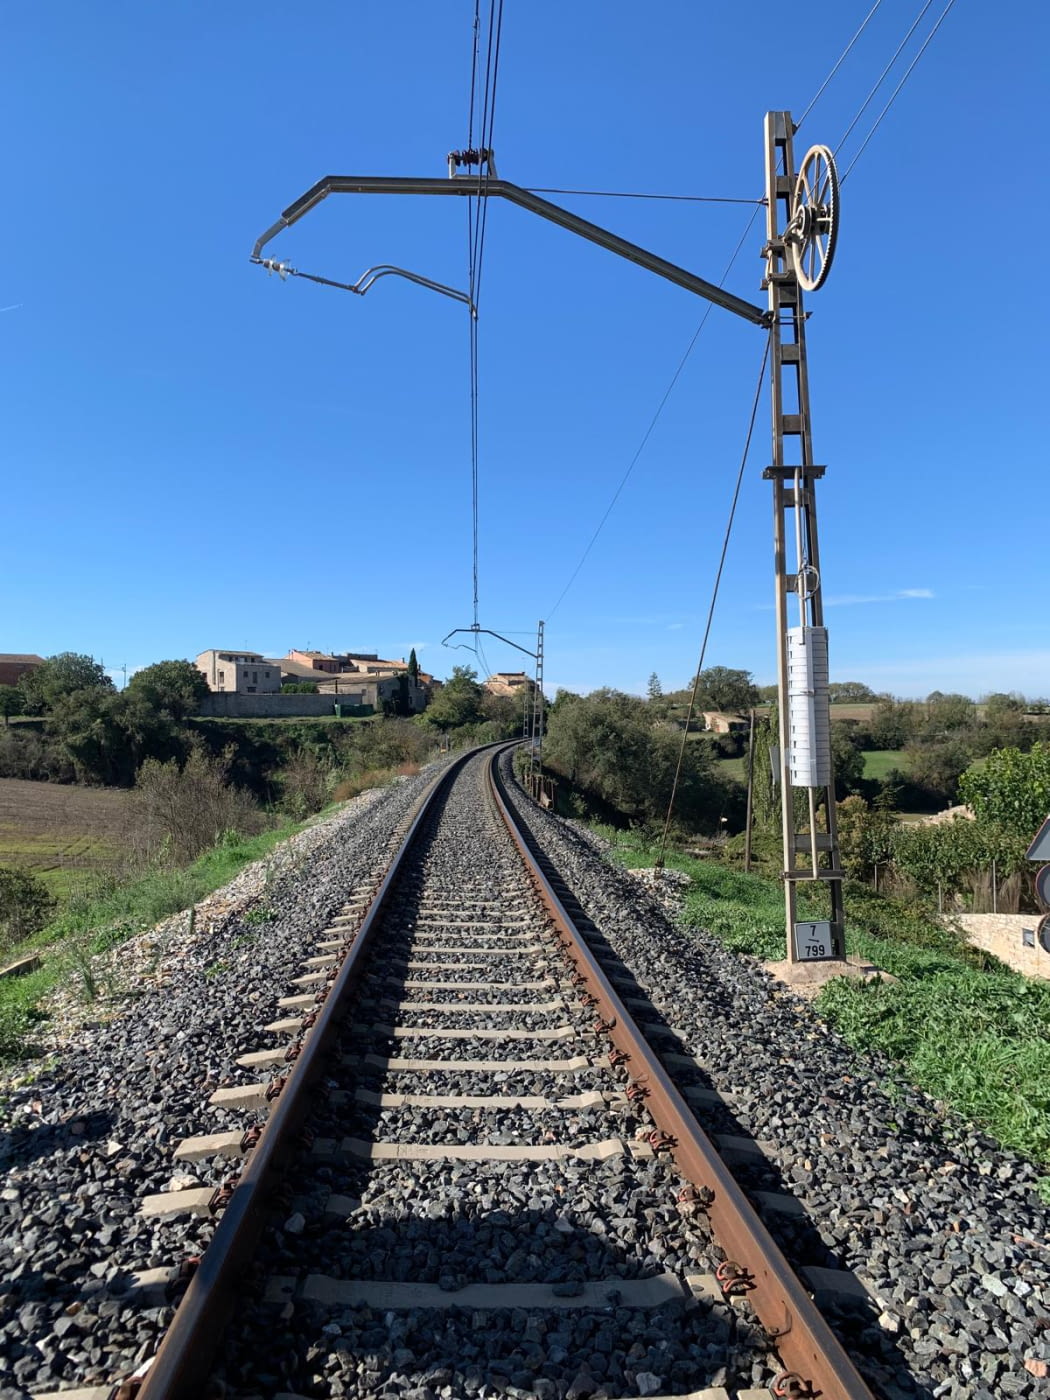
[(463, 1158)]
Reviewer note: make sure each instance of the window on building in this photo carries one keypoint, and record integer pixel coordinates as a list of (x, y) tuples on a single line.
[(255, 677), (250, 689), (222, 675), (267, 674), (1028, 937)]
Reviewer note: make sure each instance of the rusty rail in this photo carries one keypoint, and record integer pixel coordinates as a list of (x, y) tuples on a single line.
[(809, 1350), (180, 1368)]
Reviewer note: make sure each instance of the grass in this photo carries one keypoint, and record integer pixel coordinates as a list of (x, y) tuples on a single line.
[(101, 913), (970, 1032), (96, 921), (879, 762)]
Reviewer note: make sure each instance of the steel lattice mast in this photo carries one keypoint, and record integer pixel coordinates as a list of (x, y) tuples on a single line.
[(800, 232)]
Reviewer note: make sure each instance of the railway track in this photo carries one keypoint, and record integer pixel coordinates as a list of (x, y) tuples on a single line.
[(452, 1164)]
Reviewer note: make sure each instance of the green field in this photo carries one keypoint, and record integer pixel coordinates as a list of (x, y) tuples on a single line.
[(879, 762)]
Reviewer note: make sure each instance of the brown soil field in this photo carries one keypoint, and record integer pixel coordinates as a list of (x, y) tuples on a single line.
[(61, 832)]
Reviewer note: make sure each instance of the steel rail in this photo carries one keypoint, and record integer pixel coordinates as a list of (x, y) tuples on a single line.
[(802, 1339), (181, 1366)]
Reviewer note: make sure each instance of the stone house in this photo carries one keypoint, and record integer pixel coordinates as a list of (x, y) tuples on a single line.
[(720, 722), (240, 672)]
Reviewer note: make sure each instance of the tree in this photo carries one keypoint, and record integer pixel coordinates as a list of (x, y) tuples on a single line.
[(893, 724), (108, 735), (654, 689), (458, 702), (1000, 703), (12, 702), (502, 711), (26, 904), (721, 688), (175, 686), (945, 713), (850, 693), (865, 837), (59, 676), (937, 767), (847, 760), (413, 667), (611, 746), (1011, 790)]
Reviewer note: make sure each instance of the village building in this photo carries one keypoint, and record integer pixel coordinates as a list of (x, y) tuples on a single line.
[(721, 722), (15, 665), (513, 683), (240, 672)]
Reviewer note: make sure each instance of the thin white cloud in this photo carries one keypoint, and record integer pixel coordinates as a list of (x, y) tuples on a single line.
[(17, 306), (675, 626), (846, 600), (976, 673)]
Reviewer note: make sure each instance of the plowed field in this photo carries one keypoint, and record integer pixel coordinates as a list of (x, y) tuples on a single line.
[(61, 832)]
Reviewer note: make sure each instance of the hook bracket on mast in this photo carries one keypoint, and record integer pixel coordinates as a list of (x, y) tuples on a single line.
[(475, 630), (490, 186)]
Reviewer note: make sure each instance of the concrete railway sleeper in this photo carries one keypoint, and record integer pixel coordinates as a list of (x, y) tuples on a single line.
[(457, 1166)]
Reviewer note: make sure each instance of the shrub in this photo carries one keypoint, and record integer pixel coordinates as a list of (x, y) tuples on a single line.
[(180, 812), (25, 905)]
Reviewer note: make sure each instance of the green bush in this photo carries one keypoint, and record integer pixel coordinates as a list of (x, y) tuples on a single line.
[(25, 905)]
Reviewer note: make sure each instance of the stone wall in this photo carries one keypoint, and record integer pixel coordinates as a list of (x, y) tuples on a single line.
[(1004, 936), (223, 705)]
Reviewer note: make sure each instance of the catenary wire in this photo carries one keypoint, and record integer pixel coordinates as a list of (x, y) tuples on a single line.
[(907, 74), (759, 204), (652, 424), (477, 218), (882, 76), (841, 58), (714, 598)]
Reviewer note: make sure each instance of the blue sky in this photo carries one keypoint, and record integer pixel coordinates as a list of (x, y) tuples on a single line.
[(200, 455)]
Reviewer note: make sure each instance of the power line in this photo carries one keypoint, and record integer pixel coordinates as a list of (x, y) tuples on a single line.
[(759, 204), (477, 218), (882, 76), (652, 424), (714, 598), (820, 91), (907, 74)]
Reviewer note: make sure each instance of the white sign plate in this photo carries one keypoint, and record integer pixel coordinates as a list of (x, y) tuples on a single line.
[(813, 941)]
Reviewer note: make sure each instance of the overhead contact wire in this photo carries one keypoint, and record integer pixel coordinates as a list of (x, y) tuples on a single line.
[(882, 76), (841, 59), (907, 74), (652, 424), (714, 598), (759, 204)]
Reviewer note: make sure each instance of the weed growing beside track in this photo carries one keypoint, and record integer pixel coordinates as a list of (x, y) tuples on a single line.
[(967, 1030), (105, 915)]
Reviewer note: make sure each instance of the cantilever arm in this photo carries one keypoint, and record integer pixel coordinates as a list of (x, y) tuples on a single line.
[(475, 630), (469, 185)]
